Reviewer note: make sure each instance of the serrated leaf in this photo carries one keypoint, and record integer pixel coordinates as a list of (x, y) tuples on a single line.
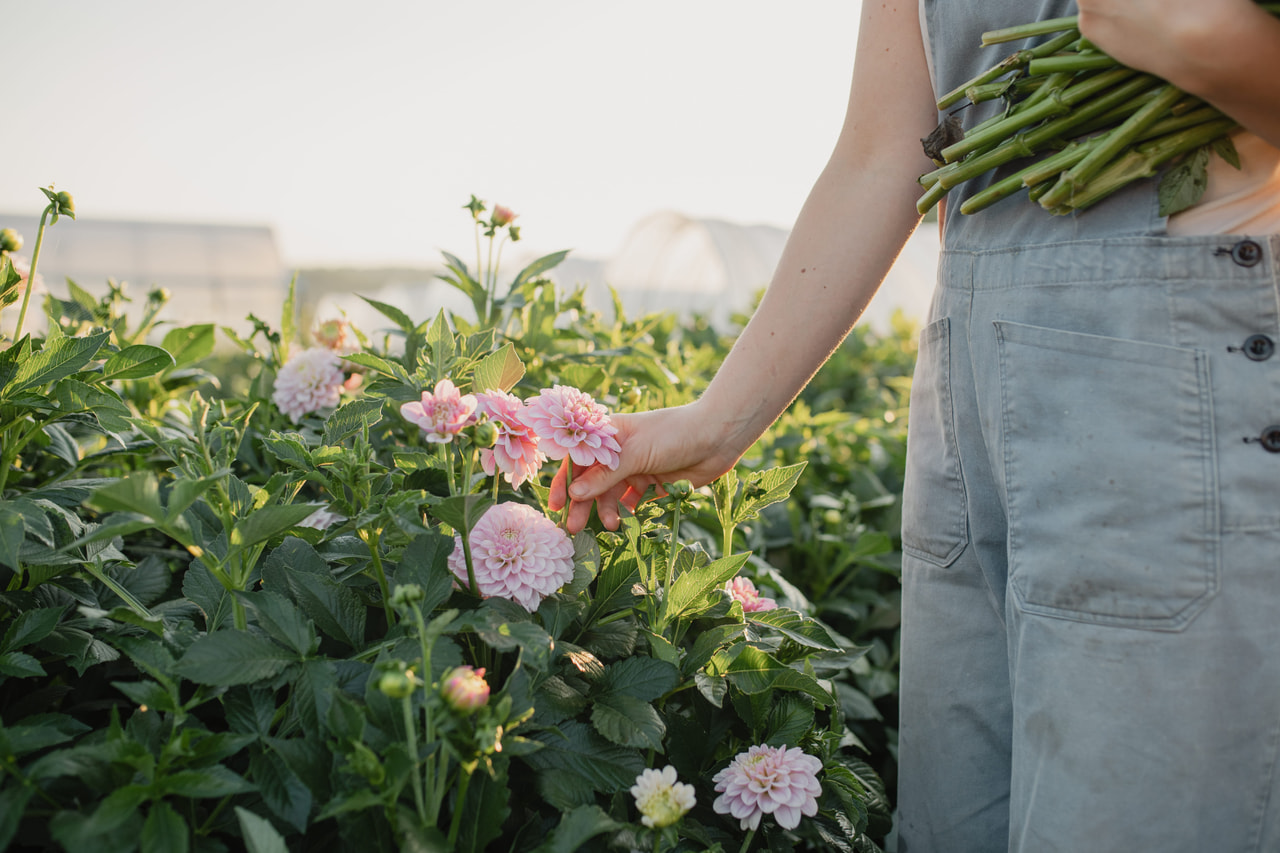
[(440, 339), (577, 750), (690, 586), (1184, 184), (462, 511), (796, 627), (165, 831), (375, 363), (20, 665), (297, 570), (282, 620), (281, 789), (425, 563), (228, 658), (138, 493), (213, 782), (136, 362), (189, 344), (500, 370), (146, 693), (790, 719), (12, 532), (31, 627), (643, 678), (763, 488), (13, 806), (351, 418), (628, 721), (61, 357)]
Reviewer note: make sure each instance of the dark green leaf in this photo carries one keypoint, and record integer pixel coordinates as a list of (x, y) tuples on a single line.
[(138, 492), (796, 627), (165, 831), (1184, 184), (12, 532), (628, 721), (577, 827), (641, 677), (462, 512), (232, 657), (313, 694), (136, 362), (425, 562), (213, 782), (32, 734), (31, 627), (281, 789), (578, 751), (249, 710), (486, 809), (20, 665), (282, 620), (148, 694), (790, 719), (13, 805), (296, 569), (1225, 148), (690, 586)]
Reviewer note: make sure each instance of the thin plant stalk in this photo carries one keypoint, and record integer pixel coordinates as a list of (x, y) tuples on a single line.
[(31, 274)]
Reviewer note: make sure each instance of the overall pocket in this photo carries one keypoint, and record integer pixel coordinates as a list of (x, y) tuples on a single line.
[(1110, 477), (934, 526)]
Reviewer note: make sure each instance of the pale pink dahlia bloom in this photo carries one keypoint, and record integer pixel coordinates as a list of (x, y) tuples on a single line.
[(464, 689), (517, 553), (572, 424), (309, 381), (769, 780), (516, 452), (660, 799), (322, 519), (337, 335), (746, 593), (442, 413)]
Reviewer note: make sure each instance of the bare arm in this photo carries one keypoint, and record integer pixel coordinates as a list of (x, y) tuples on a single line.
[(1224, 51), (853, 225)]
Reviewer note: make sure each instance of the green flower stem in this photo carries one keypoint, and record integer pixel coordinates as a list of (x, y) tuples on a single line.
[(373, 541), (1036, 28), (411, 738), (1039, 171), (932, 196), (1032, 141), (1047, 108), (1018, 59), (1092, 60), (1143, 161), (1111, 146), (31, 273), (746, 842), (455, 822), (568, 481), (490, 286), (432, 794)]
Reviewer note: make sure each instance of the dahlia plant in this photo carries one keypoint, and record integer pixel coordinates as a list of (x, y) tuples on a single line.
[(318, 615)]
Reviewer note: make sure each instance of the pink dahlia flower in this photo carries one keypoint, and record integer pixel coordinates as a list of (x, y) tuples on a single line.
[(769, 780), (464, 689), (441, 414), (308, 382), (517, 553), (746, 593), (516, 452), (572, 424)]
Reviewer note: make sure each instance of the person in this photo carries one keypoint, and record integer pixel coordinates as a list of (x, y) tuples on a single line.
[(1091, 524)]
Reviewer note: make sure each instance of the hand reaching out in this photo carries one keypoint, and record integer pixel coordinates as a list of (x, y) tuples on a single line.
[(658, 447)]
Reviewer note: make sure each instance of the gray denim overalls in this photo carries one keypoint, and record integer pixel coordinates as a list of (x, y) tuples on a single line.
[(1091, 521)]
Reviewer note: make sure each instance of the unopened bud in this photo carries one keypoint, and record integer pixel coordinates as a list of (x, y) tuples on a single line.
[(10, 240), (680, 489), (464, 689), (502, 216), (406, 594), (395, 685), (631, 396), (484, 434)]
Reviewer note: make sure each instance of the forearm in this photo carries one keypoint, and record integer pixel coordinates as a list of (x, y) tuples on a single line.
[(851, 228)]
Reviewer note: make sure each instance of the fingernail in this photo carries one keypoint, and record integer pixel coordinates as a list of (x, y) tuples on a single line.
[(578, 490)]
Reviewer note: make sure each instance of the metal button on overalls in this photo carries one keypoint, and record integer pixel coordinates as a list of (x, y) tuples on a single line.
[(1258, 347), (1270, 439), (1246, 253)]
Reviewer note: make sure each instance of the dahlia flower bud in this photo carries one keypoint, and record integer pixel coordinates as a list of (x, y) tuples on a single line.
[(337, 335), (660, 799), (502, 216), (406, 594), (464, 689), (395, 685), (680, 489), (10, 240), (484, 434)]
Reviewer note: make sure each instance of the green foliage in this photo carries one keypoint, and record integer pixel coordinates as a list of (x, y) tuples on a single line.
[(225, 627)]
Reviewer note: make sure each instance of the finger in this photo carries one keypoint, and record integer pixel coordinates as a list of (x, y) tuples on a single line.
[(594, 482), (579, 515), (556, 500)]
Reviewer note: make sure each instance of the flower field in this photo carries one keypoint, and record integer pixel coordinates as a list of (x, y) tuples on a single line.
[(312, 597)]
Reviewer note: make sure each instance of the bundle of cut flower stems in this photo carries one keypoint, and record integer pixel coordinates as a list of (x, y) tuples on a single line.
[(1093, 125)]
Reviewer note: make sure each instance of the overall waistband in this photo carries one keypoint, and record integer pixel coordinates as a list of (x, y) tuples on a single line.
[(1217, 258)]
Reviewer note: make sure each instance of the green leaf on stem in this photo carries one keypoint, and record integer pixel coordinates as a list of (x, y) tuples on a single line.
[(641, 677), (165, 831), (1184, 184), (228, 658), (136, 362), (351, 418), (259, 835), (189, 344), (262, 524), (60, 358), (392, 313), (500, 370), (628, 721), (691, 586), (296, 569)]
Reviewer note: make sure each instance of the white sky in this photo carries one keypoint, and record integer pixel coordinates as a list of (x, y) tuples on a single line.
[(357, 130)]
